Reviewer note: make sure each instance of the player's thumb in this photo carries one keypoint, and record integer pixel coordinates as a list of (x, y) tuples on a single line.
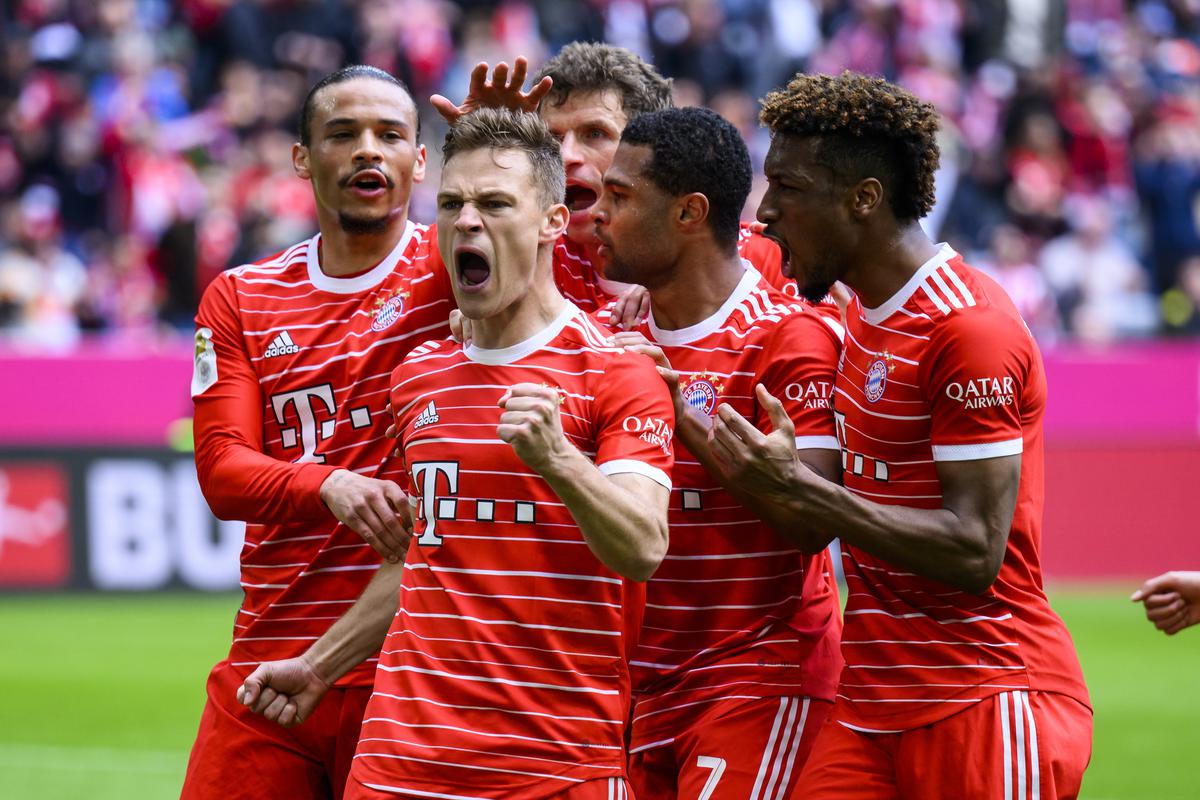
[(248, 692), (780, 420)]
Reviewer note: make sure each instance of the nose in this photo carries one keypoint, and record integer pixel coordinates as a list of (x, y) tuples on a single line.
[(767, 212), (367, 148), (600, 210), (468, 220), (572, 153)]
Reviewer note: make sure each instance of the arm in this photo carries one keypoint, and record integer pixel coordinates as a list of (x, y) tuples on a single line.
[(961, 544), (976, 452), (238, 479), (1172, 600), (623, 517), (287, 691)]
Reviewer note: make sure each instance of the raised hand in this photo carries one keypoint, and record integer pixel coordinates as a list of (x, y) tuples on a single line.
[(501, 91), (376, 510), (532, 426)]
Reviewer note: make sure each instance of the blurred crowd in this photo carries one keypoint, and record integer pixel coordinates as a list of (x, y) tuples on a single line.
[(145, 144)]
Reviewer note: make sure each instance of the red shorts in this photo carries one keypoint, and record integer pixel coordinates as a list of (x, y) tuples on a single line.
[(238, 754), (1014, 746), (744, 749), (604, 789)]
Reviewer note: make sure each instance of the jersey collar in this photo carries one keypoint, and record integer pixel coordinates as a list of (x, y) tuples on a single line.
[(707, 327), (875, 316), (507, 355), (362, 282)]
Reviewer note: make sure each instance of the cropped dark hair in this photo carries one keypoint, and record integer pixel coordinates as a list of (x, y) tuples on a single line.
[(591, 67), (697, 150), (502, 129), (865, 128), (352, 72)]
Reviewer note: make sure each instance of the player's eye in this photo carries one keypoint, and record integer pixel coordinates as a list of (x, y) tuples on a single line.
[(495, 205), (450, 205), (596, 133)]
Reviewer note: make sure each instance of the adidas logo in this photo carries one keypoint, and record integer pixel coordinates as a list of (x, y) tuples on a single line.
[(281, 345), (426, 417)]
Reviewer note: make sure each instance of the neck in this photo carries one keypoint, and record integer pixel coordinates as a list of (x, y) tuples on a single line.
[(881, 268), (531, 313), (699, 285), (345, 253)]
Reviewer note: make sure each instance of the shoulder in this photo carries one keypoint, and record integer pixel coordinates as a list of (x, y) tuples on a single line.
[(977, 310)]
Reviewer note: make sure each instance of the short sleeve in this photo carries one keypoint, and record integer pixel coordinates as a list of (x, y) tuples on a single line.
[(635, 420), (975, 375), (798, 366)]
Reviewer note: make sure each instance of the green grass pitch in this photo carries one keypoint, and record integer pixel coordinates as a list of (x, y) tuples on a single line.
[(101, 694)]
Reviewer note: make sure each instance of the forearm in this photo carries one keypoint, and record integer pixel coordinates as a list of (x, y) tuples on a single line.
[(361, 631), (932, 543), (627, 534), (241, 483)]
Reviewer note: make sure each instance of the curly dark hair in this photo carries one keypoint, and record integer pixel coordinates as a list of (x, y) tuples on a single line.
[(502, 129), (592, 67), (697, 150), (865, 127), (352, 72)]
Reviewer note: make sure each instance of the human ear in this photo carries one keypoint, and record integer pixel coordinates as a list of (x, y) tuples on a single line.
[(300, 161)]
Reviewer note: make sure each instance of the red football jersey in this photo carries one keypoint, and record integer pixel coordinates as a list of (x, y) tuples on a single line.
[(505, 670), (291, 383), (943, 371), (582, 284), (735, 610)]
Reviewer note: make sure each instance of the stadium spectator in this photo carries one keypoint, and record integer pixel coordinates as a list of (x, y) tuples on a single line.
[(90, 90), (939, 400), (1172, 600), (730, 692)]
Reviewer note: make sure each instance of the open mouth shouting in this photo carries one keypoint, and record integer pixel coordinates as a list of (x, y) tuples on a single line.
[(580, 197), (367, 183), (472, 268), (785, 263)]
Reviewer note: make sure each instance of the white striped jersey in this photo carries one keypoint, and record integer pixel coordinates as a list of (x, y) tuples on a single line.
[(505, 670), (943, 371), (735, 610), (291, 383)]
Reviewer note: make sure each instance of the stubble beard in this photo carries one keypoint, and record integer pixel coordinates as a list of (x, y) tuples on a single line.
[(363, 226)]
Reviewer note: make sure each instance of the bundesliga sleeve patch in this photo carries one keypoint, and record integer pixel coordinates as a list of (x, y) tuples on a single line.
[(204, 371)]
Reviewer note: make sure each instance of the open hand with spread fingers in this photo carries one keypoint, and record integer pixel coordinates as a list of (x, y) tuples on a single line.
[(763, 464), (501, 91)]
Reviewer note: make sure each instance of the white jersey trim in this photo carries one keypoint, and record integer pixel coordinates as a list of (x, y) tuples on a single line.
[(507, 355), (707, 327), (817, 443), (362, 282), (874, 316), (975, 452), (628, 465)]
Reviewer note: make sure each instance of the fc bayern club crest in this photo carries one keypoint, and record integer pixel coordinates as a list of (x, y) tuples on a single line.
[(389, 307), (701, 392), (877, 377)]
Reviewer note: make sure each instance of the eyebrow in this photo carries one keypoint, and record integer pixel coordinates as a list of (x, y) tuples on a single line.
[(387, 122), (611, 181)]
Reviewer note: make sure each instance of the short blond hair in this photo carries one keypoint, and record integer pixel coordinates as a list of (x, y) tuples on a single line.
[(502, 129)]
